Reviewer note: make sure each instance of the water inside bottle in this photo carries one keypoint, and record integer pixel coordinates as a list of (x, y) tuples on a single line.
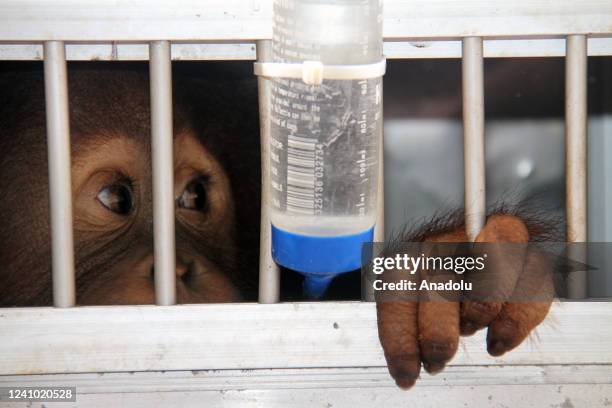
[(323, 226)]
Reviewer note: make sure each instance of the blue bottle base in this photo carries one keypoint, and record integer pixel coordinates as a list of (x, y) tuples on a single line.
[(318, 258)]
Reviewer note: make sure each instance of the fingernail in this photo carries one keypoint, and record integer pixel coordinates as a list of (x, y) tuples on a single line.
[(432, 368), (405, 382), (404, 369), (495, 347)]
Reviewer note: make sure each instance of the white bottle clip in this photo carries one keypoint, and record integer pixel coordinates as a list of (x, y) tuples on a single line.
[(314, 72)]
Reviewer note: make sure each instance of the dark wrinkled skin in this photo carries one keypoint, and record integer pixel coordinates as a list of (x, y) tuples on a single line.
[(426, 333)]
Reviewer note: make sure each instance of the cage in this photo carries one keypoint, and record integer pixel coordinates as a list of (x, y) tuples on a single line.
[(280, 354)]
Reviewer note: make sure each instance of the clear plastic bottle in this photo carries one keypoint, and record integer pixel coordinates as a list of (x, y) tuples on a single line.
[(324, 138)]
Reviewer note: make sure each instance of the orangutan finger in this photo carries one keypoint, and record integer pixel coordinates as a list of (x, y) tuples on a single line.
[(513, 325), (438, 333), (534, 294), (398, 333), (495, 285)]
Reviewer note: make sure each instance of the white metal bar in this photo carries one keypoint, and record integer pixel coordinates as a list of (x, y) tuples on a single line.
[(163, 172), (283, 335), (60, 188), (549, 47), (269, 272), (186, 20), (576, 156), (473, 134)]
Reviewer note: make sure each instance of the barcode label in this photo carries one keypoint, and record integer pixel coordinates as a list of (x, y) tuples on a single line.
[(300, 174)]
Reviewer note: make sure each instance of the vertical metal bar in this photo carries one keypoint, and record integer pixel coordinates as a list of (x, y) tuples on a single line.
[(576, 156), (163, 172), (473, 136), (60, 190), (269, 272)]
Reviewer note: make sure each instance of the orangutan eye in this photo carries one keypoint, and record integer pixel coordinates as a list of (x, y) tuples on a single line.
[(195, 196), (117, 198)]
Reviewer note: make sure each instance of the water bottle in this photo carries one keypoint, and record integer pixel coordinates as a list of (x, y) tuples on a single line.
[(324, 138)]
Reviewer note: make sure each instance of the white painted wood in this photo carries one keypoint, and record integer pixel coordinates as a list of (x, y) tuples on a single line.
[(246, 336), (139, 20), (494, 18), (311, 378), (499, 396), (319, 386), (188, 20)]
